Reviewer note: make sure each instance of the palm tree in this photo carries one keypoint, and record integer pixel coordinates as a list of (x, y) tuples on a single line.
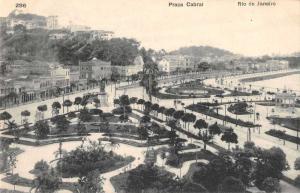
[(42, 109), (55, 108), (5, 116), (77, 102), (124, 101), (25, 114), (214, 129), (150, 72), (161, 110), (177, 115), (147, 107), (116, 102), (67, 103), (169, 112), (229, 137), (133, 100), (141, 102), (155, 108), (201, 124)]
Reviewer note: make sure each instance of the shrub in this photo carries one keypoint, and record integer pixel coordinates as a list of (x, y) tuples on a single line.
[(120, 111), (41, 166), (249, 145), (72, 115)]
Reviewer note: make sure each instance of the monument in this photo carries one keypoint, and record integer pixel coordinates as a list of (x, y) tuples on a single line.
[(103, 94)]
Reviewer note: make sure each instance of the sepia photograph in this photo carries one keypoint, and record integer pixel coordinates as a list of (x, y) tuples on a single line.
[(149, 96)]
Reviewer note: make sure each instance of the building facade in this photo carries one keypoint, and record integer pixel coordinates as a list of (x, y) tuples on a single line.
[(52, 22), (95, 70), (172, 63)]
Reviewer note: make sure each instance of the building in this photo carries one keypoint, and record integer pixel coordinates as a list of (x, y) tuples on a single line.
[(78, 28), (22, 67), (60, 77), (172, 63), (127, 71), (58, 36), (52, 22), (285, 99), (101, 35), (95, 70)]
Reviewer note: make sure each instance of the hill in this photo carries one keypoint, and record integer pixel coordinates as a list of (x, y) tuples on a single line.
[(202, 51)]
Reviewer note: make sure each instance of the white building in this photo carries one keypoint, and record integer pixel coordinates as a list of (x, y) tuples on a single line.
[(101, 35), (135, 68), (171, 63), (52, 22)]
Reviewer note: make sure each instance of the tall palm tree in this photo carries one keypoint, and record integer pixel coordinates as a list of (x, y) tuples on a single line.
[(25, 114), (229, 136), (55, 107), (150, 72), (67, 103), (77, 102)]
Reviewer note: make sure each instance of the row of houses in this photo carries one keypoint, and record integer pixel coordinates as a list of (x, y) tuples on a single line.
[(37, 80), (172, 63)]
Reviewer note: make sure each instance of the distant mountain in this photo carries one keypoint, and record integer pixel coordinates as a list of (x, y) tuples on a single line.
[(202, 51), (16, 14)]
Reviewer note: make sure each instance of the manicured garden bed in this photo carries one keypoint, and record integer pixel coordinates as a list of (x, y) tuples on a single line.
[(146, 178), (183, 157), (281, 135), (290, 123), (206, 111)]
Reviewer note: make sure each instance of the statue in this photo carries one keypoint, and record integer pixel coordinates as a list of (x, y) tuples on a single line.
[(102, 86)]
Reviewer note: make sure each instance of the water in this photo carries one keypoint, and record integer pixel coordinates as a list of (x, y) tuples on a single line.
[(291, 82)]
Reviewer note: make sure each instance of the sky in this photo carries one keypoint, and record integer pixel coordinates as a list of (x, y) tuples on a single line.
[(251, 31)]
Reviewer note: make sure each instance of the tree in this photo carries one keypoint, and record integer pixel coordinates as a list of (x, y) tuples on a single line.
[(77, 102), (84, 115), (42, 166), (41, 129), (145, 119), (55, 108), (124, 101), (150, 72), (232, 185), (47, 182), (161, 110), (200, 124), (12, 160), (177, 115), (214, 129), (12, 127), (169, 112), (229, 137), (155, 108), (42, 109), (141, 102), (5, 116), (67, 103), (133, 100), (24, 115), (61, 122), (116, 102), (147, 107), (271, 185), (269, 163), (91, 183)]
